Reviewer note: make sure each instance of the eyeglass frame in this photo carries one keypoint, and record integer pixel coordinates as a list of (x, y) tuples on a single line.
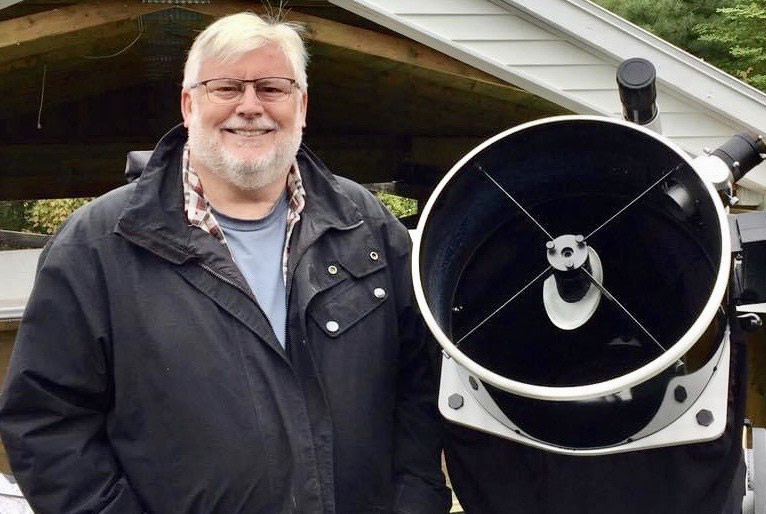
[(293, 85)]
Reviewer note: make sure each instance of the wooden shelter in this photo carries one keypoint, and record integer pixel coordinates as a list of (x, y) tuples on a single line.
[(82, 83)]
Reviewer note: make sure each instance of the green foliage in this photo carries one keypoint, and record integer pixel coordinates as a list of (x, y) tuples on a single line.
[(13, 215), (400, 206), (46, 215), (676, 21), (726, 33), (741, 30)]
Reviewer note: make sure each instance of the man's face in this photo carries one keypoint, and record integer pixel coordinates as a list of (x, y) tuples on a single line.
[(250, 143)]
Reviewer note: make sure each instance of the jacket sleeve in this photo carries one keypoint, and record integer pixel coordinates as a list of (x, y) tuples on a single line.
[(58, 390), (418, 437)]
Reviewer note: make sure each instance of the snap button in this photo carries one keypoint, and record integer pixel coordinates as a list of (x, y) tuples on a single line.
[(374, 255), (379, 292), (332, 326), (332, 269)]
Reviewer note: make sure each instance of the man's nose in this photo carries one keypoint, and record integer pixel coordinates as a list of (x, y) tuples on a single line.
[(249, 105)]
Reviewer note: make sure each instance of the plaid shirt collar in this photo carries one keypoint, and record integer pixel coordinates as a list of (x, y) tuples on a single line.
[(200, 214)]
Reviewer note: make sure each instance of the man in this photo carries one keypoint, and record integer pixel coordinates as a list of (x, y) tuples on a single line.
[(234, 332)]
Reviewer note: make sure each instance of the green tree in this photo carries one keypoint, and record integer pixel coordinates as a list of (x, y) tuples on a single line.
[(46, 215), (679, 22), (13, 215), (398, 205), (740, 30)]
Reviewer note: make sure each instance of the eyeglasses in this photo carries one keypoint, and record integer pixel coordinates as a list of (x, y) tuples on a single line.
[(267, 89)]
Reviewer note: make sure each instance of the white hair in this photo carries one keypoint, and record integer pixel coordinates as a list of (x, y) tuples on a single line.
[(229, 38)]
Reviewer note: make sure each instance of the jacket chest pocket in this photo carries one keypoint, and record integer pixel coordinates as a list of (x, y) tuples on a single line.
[(349, 304)]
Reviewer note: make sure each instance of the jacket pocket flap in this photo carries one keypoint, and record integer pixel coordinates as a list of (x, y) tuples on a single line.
[(359, 254), (347, 303), (358, 267)]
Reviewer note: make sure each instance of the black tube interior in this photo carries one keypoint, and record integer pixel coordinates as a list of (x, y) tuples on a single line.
[(479, 249)]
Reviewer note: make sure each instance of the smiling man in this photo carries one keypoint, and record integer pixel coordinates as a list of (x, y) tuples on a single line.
[(235, 331)]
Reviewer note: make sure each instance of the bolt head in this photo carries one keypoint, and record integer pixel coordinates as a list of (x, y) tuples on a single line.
[(679, 393), (455, 401), (705, 417), (550, 245)]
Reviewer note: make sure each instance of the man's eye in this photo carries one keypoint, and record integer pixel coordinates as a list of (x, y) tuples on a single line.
[(226, 89)]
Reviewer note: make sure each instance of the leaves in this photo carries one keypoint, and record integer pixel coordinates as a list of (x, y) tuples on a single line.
[(399, 206), (13, 215), (728, 34), (739, 28), (46, 215)]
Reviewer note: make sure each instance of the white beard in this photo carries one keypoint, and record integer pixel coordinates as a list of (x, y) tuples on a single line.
[(247, 174)]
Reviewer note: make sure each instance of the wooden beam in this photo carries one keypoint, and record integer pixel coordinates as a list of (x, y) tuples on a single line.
[(368, 42), (90, 169), (62, 171), (67, 26), (69, 30), (8, 326), (23, 239), (67, 83), (412, 101)]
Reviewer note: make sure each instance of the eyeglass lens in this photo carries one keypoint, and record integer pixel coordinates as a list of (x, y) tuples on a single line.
[(266, 90)]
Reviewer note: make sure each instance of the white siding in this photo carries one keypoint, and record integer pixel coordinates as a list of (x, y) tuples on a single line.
[(17, 274), (567, 51), (515, 53), (495, 27), (401, 7)]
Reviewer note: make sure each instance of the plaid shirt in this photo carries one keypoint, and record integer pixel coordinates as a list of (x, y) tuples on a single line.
[(199, 213)]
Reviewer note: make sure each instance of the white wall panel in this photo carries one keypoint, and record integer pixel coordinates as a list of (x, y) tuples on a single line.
[(17, 275), (669, 103), (574, 76), (440, 7), (486, 26), (567, 51), (697, 123), (513, 53)]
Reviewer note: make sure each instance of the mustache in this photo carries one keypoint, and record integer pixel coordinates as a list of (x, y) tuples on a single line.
[(254, 125)]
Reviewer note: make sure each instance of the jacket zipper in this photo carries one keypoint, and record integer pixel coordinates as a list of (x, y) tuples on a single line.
[(226, 280), (246, 293)]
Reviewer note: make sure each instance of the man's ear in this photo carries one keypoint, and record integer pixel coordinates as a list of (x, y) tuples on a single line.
[(186, 106), (304, 107)]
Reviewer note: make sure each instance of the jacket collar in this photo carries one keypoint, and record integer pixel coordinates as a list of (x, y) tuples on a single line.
[(154, 216)]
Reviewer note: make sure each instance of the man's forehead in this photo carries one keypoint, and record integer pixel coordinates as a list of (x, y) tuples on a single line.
[(267, 60)]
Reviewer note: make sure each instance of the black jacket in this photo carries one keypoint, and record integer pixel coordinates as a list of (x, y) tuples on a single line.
[(146, 379)]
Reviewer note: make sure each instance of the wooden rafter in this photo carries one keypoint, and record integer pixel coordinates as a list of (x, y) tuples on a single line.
[(60, 28), (64, 34), (65, 26), (364, 41)]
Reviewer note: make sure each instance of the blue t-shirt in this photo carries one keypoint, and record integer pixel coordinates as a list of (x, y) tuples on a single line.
[(257, 246)]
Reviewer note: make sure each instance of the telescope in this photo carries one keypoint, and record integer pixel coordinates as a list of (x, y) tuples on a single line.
[(585, 279)]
